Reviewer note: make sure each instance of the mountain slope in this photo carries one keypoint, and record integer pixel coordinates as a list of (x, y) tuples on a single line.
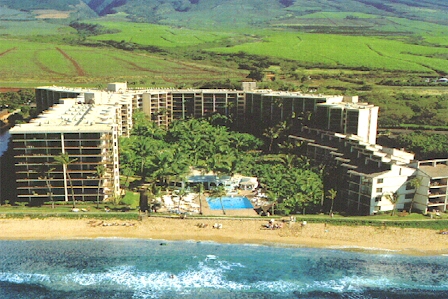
[(262, 12), (241, 13)]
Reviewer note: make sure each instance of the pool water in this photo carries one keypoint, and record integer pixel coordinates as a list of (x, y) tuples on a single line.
[(229, 203)]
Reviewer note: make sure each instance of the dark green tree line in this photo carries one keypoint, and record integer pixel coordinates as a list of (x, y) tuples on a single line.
[(160, 156)]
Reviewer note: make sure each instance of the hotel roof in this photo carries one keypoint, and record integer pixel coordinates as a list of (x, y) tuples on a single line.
[(71, 117), (438, 171), (141, 90)]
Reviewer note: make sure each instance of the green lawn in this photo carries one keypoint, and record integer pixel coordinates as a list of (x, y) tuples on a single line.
[(132, 199), (64, 210), (128, 210)]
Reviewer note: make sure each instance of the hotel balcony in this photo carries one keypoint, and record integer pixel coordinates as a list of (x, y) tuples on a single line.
[(437, 190), (440, 202), (437, 193), (436, 183)]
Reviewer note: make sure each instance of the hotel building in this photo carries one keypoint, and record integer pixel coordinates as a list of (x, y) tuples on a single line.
[(87, 133), (365, 175), (336, 131)]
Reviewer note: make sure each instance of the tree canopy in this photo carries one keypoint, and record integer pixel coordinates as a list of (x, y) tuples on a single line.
[(161, 156), (425, 145)]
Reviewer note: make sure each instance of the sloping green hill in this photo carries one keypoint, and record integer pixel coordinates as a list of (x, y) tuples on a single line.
[(262, 13), (203, 40), (243, 13)]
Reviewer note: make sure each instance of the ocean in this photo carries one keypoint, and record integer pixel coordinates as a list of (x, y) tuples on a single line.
[(130, 268)]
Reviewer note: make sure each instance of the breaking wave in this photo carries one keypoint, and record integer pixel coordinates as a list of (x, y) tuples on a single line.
[(212, 270)]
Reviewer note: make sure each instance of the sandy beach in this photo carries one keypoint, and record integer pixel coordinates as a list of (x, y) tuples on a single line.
[(399, 240)]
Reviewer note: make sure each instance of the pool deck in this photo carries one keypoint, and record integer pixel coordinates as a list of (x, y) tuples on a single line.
[(209, 212)]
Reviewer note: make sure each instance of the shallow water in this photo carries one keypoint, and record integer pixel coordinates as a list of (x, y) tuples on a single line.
[(126, 268)]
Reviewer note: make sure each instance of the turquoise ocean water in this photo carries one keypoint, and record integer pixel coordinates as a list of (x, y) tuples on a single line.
[(129, 268)]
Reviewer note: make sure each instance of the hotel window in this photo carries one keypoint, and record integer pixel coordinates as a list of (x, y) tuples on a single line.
[(409, 196), (379, 181), (408, 184), (379, 190)]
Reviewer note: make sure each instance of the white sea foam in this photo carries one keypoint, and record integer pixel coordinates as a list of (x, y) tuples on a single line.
[(210, 270), (24, 277), (145, 284), (211, 257), (152, 284), (129, 278)]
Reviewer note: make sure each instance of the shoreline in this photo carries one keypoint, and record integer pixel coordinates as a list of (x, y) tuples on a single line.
[(409, 241)]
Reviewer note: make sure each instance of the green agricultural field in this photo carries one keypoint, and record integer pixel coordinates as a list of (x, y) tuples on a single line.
[(346, 51), (25, 62), (31, 28), (419, 28), (159, 36), (438, 40), (40, 51), (336, 15)]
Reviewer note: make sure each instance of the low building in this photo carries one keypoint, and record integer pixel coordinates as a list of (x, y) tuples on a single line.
[(371, 178), (365, 175), (431, 183)]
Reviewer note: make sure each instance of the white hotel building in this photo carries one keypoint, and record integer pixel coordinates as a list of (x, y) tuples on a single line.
[(336, 130), (87, 133)]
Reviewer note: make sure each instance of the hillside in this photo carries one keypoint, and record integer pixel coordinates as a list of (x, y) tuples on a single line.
[(379, 50), (344, 46), (302, 14)]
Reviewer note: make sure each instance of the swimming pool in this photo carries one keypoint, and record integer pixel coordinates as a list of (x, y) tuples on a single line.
[(229, 203)]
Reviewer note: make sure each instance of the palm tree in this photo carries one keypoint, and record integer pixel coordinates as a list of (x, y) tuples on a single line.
[(44, 171), (144, 148), (100, 172), (289, 160), (182, 193), (64, 160), (393, 198), (219, 192), (127, 171), (273, 197), (415, 183), (200, 189), (274, 132), (169, 164), (220, 164), (332, 195), (295, 203)]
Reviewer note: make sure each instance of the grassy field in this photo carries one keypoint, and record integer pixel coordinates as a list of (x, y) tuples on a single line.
[(347, 51), (160, 36), (331, 50), (32, 28), (27, 62), (36, 52)]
